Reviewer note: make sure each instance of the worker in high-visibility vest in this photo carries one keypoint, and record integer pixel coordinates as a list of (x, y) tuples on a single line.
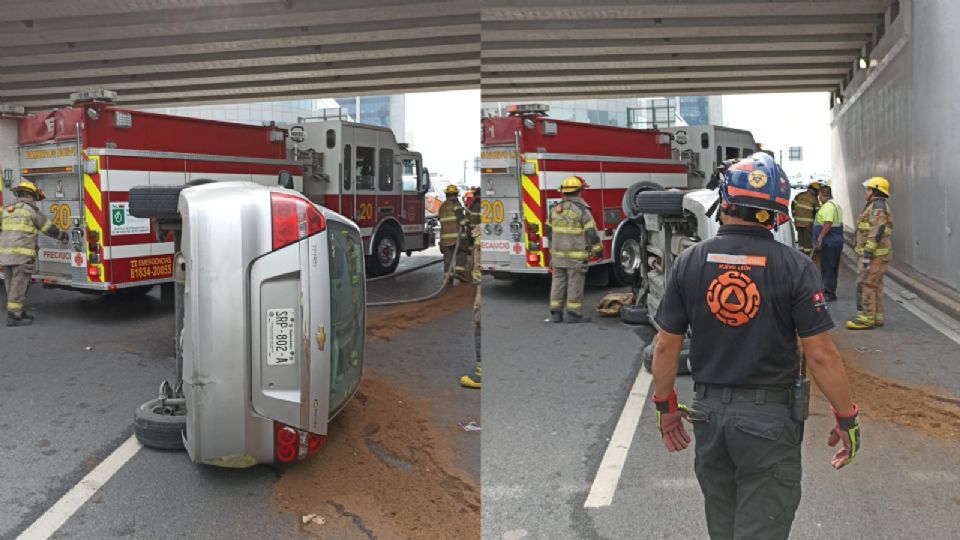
[(454, 227), (20, 226), (803, 209)]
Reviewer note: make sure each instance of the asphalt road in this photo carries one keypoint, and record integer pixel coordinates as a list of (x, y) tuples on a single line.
[(554, 394), (70, 383)]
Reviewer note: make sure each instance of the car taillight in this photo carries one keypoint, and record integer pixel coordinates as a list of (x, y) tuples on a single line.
[(315, 442), (294, 218), (286, 443)]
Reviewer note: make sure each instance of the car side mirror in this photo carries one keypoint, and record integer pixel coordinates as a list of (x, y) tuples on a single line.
[(425, 182)]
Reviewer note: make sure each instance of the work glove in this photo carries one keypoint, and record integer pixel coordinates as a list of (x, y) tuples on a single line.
[(818, 247), (867, 259), (670, 417), (63, 237), (846, 431)]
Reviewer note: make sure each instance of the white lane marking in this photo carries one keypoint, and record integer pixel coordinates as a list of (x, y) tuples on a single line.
[(59, 513), (608, 475), (924, 311)]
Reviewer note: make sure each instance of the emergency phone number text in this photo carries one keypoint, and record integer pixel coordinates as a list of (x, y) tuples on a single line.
[(157, 267)]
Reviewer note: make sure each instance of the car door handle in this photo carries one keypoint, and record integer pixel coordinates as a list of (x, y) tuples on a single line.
[(321, 337)]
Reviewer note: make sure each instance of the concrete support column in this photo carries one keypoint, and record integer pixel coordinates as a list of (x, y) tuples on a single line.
[(9, 157)]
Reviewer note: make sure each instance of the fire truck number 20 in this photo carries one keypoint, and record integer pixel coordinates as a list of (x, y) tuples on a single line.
[(366, 211), (491, 211), (61, 215)]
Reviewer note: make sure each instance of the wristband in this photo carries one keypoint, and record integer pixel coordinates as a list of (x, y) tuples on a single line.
[(848, 422), (667, 404)]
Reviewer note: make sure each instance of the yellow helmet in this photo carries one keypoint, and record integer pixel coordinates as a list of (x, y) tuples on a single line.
[(29, 187), (573, 184), (817, 184), (452, 190), (879, 183)]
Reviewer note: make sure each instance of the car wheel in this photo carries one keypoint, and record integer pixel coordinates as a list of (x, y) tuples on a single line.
[(160, 427), (669, 203), (155, 202), (386, 254), (629, 203), (159, 202), (626, 254), (682, 369), (634, 315)]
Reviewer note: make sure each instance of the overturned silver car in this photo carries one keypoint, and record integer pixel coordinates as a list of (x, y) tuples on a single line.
[(270, 322)]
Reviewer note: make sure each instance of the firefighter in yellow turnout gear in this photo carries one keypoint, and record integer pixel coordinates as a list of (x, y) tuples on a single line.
[(454, 224), (803, 209), (574, 240), (20, 226), (473, 380), (874, 229)]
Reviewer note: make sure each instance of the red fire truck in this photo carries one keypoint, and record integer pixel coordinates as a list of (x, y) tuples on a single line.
[(87, 157), (362, 172), (524, 158)]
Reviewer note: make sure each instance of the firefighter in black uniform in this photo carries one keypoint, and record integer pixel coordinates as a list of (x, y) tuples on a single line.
[(746, 298)]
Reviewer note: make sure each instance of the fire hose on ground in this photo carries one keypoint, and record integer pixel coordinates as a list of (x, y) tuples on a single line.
[(448, 277)]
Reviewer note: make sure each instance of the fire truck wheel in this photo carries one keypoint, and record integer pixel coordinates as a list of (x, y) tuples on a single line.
[(386, 253), (626, 254), (635, 315), (629, 203), (664, 203), (160, 427), (155, 202)]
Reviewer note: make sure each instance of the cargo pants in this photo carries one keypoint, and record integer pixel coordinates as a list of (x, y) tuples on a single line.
[(17, 280), (805, 240), (566, 289), (747, 460), (460, 265), (870, 290)]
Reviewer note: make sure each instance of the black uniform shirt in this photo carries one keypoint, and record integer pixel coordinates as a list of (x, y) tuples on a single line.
[(746, 298)]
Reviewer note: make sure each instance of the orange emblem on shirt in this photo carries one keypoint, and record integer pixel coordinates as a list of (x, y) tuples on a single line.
[(733, 298)]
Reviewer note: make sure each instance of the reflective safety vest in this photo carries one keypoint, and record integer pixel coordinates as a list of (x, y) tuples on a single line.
[(803, 208), (572, 233), (20, 225), (453, 223), (874, 229), (473, 212)]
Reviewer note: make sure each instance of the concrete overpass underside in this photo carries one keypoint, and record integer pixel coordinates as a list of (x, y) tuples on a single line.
[(183, 52), (570, 49)]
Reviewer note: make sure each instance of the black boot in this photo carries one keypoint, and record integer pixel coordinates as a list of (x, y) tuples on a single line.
[(574, 318), (27, 316), (17, 320), (556, 316)]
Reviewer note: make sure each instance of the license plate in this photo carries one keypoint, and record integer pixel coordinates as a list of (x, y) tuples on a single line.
[(280, 342)]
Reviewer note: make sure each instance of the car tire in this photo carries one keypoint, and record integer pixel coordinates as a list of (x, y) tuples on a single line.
[(379, 262), (634, 315), (682, 369), (159, 202), (629, 237), (155, 202), (156, 430), (663, 203), (629, 203)]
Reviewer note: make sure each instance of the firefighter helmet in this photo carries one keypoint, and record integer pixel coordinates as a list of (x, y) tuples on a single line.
[(817, 184), (878, 183), (756, 182), (29, 187), (573, 184), (451, 190)]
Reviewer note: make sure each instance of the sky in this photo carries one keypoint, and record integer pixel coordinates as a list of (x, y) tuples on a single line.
[(445, 128), (779, 121)]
